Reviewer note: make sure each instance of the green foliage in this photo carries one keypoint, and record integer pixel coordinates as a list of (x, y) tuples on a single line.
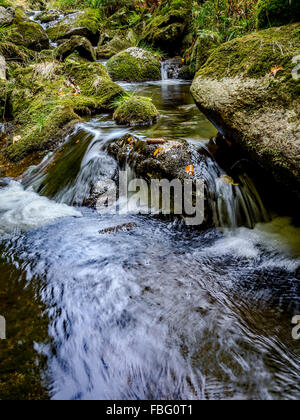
[(231, 18), (277, 12)]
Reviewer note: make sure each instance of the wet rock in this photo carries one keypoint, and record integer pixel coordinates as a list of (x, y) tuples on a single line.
[(76, 43), (7, 16), (171, 68), (126, 227), (249, 88), (136, 110), (2, 68), (85, 23), (134, 64), (164, 159)]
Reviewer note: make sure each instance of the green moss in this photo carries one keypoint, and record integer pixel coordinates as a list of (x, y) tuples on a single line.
[(25, 33), (136, 110), (86, 23), (5, 92), (167, 27), (256, 54), (199, 53), (113, 47), (76, 43), (277, 12), (134, 64), (44, 104)]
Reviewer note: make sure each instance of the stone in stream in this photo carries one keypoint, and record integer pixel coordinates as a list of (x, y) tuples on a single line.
[(136, 111), (134, 65), (126, 227), (76, 43), (249, 88)]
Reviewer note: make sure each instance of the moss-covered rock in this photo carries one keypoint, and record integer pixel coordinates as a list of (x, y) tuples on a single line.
[(50, 98), (199, 53), (85, 23), (277, 12), (25, 33), (250, 89), (168, 26), (136, 110), (76, 43), (112, 47), (134, 64)]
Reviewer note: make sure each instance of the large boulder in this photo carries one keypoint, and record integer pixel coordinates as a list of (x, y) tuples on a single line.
[(134, 65), (7, 15), (277, 12), (2, 68), (85, 23), (249, 88), (136, 110), (77, 44)]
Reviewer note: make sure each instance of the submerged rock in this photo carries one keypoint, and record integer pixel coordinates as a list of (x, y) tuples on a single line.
[(136, 110), (76, 43), (134, 64), (250, 89), (85, 23)]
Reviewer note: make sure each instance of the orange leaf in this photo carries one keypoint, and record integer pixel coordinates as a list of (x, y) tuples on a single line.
[(159, 149), (275, 70), (190, 170)]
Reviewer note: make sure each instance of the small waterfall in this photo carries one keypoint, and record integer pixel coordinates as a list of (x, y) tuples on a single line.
[(170, 69)]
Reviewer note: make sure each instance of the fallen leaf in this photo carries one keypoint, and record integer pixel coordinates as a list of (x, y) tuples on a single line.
[(190, 170), (275, 70), (149, 175), (78, 141), (159, 149)]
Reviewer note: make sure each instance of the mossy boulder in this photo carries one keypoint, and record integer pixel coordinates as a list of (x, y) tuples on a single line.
[(136, 110), (199, 53), (76, 43), (85, 23), (112, 47), (168, 26), (25, 33), (50, 98), (134, 65), (250, 89), (277, 12)]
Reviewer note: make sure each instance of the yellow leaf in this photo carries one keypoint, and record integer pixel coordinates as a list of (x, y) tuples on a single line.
[(275, 70), (190, 170), (159, 149)]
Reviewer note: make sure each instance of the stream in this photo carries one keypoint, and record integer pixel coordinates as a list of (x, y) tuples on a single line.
[(160, 311)]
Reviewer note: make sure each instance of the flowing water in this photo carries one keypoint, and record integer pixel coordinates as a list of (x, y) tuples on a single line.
[(157, 312)]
